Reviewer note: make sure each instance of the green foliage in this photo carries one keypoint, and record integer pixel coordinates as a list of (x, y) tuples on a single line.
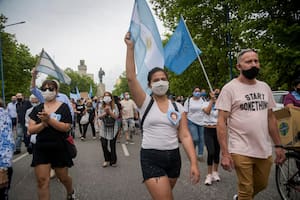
[(121, 86), (271, 26)]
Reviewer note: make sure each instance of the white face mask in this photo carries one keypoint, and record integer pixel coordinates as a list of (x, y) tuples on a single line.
[(127, 96), (107, 99), (48, 95), (160, 88)]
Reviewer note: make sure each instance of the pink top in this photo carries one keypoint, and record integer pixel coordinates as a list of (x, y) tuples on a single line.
[(248, 121)]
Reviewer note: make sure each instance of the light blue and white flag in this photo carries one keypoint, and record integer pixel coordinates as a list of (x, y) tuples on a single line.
[(180, 51), (47, 65), (148, 49), (76, 95), (91, 92)]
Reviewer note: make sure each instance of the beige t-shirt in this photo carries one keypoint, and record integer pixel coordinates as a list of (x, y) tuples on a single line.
[(128, 108), (248, 121)]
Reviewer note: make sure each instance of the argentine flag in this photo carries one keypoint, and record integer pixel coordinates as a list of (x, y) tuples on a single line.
[(148, 49)]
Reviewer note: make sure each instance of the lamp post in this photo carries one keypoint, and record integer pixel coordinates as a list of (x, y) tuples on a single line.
[(1, 61)]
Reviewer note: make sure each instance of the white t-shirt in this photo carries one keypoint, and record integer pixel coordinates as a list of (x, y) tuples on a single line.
[(248, 120), (158, 132), (212, 118), (193, 109)]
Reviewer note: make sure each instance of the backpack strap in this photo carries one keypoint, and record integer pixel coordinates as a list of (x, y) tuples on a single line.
[(146, 112), (175, 106)]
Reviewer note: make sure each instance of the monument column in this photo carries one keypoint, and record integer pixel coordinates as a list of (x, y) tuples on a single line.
[(101, 85)]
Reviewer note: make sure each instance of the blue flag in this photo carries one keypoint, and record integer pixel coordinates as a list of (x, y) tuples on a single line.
[(91, 91), (148, 49), (180, 51)]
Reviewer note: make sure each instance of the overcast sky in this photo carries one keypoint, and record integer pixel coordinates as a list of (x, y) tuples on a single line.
[(74, 30)]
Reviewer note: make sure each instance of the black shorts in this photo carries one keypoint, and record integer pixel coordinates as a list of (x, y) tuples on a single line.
[(57, 159), (157, 163)]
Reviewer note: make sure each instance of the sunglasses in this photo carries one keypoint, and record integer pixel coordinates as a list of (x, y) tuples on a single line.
[(51, 89)]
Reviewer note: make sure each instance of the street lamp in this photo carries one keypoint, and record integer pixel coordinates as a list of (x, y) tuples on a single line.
[(1, 61)]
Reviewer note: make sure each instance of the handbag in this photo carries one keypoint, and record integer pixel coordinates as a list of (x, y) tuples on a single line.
[(85, 118), (71, 148), (108, 121)]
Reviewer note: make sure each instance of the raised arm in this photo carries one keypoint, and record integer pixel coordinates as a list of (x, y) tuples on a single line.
[(135, 88)]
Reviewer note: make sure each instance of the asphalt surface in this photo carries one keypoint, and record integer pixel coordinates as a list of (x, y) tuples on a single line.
[(124, 182)]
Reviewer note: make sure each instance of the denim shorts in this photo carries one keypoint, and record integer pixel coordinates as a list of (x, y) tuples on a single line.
[(157, 163)]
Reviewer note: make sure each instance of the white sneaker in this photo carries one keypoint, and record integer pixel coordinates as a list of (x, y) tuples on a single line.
[(235, 197), (208, 180), (215, 176)]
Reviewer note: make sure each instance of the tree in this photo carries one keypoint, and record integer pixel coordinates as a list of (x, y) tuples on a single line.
[(271, 26)]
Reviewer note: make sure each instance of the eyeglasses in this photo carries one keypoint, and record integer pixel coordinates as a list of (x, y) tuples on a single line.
[(51, 89)]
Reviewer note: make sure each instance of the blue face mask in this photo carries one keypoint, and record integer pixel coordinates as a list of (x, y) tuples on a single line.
[(203, 94), (196, 94)]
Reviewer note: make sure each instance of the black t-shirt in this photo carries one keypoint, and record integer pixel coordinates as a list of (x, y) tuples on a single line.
[(80, 108), (49, 135)]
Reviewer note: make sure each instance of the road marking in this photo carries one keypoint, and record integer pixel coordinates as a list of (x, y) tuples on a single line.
[(125, 150), (20, 157)]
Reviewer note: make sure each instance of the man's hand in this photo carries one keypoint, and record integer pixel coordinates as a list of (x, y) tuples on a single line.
[(227, 162), (280, 156)]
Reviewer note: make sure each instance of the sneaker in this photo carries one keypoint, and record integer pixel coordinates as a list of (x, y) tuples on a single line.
[(52, 173), (71, 196), (200, 158), (129, 142), (235, 197), (94, 138), (82, 138), (215, 176), (114, 165), (208, 180), (105, 164)]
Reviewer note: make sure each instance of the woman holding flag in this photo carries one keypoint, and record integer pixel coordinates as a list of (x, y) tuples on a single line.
[(159, 156)]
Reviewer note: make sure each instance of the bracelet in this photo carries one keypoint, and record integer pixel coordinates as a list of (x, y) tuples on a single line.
[(278, 146)]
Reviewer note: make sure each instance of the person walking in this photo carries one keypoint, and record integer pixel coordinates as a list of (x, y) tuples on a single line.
[(192, 108), (12, 111), (159, 155), (211, 139), (80, 108), (22, 106), (129, 113), (246, 124), (292, 100), (109, 113), (91, 111), (51, 121), (7, 146)]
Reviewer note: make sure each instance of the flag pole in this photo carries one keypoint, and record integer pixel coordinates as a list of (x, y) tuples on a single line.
[(203, 69)]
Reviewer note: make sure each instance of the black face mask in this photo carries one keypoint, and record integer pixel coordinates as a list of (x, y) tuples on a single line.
[(250, 73), (19, 99), (298, 90), (217, 95)]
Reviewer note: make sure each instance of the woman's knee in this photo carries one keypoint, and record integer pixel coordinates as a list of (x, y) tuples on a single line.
[(43, 182)]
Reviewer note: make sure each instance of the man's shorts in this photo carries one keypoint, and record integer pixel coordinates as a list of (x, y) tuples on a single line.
[(157, 163), (128, 124), (14, 122)]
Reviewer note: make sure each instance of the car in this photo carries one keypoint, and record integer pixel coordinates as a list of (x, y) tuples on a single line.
[(279, 98)]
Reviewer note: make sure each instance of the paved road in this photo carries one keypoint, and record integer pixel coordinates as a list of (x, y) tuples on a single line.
[(92, 182)]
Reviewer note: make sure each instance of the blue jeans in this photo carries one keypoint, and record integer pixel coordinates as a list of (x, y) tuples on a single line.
[(21, 134), (197, 133)]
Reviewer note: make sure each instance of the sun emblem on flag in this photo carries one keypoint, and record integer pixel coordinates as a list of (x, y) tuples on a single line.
[(148, 42)]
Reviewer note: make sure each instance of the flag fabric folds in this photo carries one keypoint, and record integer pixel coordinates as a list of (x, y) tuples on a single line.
[(47, 65), (91, 91), (148, 49), (180, 51), (76, 95)]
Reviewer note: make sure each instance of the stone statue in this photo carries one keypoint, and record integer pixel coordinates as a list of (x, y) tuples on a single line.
[(101, 74)]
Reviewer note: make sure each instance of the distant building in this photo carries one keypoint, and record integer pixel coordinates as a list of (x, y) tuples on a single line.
[(82, 68)]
